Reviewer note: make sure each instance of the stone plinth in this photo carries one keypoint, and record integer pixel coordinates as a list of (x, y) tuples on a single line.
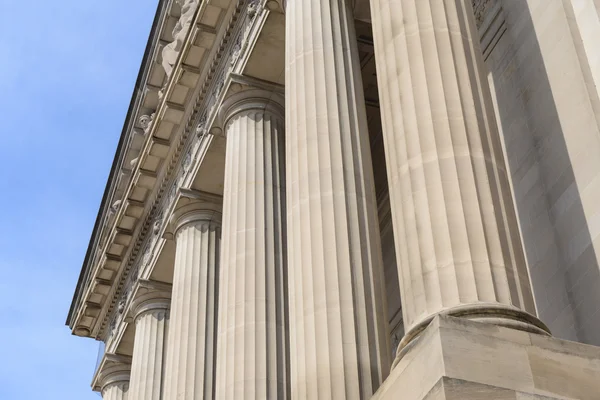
[(461, 359)]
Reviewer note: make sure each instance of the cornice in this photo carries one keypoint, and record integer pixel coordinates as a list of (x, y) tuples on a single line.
[(119, 159), (186, 156), (159, 185)]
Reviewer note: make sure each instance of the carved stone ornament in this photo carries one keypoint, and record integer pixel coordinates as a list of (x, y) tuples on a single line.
[(171, 51), (201, 128), (112, 327), (480, 8), (116, 205), (156, 227), (237, 50), (187, 161), (146, 122), (147, 255), (157, 222), (254, 7), (121, 306)]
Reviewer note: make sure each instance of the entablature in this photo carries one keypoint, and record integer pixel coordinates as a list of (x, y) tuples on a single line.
[(169, 143)]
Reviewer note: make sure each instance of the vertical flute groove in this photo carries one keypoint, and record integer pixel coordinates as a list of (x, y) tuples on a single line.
[(456, 234), (253, 354), (191, 340), (338, 327), (148, 350)]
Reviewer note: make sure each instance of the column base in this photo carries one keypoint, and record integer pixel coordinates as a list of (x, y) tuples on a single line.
[(455, 358), (496, 314)]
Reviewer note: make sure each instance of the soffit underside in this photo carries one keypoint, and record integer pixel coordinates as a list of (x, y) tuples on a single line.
[(164, 117)]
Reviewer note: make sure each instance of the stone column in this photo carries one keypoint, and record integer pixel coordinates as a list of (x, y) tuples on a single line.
[(151, 322), (114, 383), (252, 356), (457, 241), (191, 345), (338, 324)]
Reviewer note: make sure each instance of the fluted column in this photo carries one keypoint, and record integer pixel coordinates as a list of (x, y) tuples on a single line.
[(338, 323), (457, 240), (116, 391), (191, 345), (151, 323), (252, 355), (114, 383)]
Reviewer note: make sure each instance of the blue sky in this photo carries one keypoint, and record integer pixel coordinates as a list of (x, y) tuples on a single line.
[(67, 71)]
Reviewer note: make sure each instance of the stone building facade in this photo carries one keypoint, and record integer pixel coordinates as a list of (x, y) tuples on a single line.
[(353, 199)]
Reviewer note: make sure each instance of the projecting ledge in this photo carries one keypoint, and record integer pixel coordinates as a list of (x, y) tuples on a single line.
[(460, 359)]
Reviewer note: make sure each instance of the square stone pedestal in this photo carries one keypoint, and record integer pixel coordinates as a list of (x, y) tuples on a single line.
[(459, 359)]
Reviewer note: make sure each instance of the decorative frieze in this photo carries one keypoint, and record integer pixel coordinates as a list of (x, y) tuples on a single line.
[(481, 7), (191, 147)]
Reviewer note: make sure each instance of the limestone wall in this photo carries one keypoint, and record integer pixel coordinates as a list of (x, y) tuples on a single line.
[(544, 68)]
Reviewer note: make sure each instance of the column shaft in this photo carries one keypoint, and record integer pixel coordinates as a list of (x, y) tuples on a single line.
[(148, 354), (456, 234), (338, 323), (191, 345), (252, 353)]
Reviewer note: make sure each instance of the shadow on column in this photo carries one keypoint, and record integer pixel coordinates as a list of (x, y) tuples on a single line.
[(562, 262)]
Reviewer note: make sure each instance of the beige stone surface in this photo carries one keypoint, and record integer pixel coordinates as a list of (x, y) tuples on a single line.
[(456, 233), (304, 235), (456, 389), (460, 359), (147, 366), (112, 380), (547, 105), (252, 351), (116, 391), (191, 344), (338, 322)]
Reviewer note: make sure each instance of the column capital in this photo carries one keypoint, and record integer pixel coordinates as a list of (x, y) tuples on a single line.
[(113, 370), (193, 212), (251, 100), (252, 304), (149, 296)]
